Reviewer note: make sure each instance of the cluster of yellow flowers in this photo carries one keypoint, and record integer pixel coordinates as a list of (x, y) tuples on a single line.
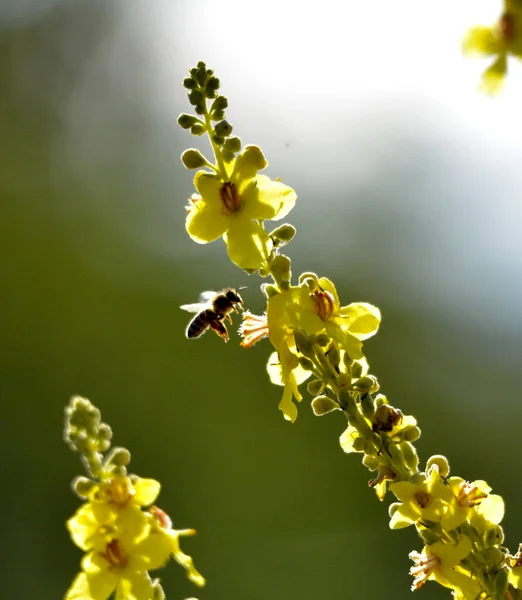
[(315, 337), (123, 534), (501, 40)]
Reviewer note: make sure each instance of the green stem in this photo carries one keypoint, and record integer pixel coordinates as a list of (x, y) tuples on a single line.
[(221, 170)]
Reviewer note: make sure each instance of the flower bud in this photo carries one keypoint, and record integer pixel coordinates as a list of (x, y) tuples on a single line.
[(193, 159), (220, 103), (186, 121), (269, 290), (211, 87), (323, 405), (196, 98), (441, 462), (304, 277), (380, 399), (367, 406), (410, 456), (428, 537), (323, 339), (501, 583), (217, 115), (411, 434), (370, 462), (306, 363), (223, 128), (118, 457), (218, 139), (394, 506), (197, 129), (366, 384), (304, 345), (316, 387), (232, 144), (280, 269), (495, 535), (82, 486), (256, 157), (283, 234), (356, 369)]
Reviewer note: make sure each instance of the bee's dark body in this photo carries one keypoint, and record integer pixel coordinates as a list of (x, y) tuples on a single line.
[(218, 309)]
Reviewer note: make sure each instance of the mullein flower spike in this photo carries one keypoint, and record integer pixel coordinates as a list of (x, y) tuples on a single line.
[(501, 40), (315, 338), (122, 533)]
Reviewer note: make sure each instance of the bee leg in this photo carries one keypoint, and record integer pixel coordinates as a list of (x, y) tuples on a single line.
[(238, 308), (229, 319), (220, 329)]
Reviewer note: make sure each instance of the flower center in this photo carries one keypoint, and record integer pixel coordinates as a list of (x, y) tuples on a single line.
[(507, 27), (324, 304), (470, 495), (115, 554), (423, 499), (230, 198)]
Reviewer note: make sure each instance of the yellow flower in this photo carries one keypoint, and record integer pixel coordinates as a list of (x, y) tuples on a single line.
[(472, 501), (425, 496), (121, 563), (441, 562), (235, 207)]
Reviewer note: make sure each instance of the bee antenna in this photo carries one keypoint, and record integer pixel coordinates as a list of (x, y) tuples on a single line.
[(243, 287)]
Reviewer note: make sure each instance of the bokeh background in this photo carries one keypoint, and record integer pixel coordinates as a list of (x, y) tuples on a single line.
[(409, 190)]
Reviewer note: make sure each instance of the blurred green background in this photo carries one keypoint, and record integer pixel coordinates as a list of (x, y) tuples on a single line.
[(409, 198)]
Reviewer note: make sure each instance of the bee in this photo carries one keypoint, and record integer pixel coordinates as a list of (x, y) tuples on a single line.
[(212, 309)]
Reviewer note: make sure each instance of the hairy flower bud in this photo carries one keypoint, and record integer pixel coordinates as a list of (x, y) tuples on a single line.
[(193, 159), (323, 405), (441, 462)]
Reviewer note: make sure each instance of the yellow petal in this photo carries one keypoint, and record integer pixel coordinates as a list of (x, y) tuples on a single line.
[(249, 245), (206, 222), (361, 319), (481, 41), (147, 491), (135, 586)]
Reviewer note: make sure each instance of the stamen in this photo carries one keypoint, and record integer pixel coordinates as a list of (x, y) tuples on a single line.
[(192, 202), (324, 304), (161, 517), (423, 567), (469, 495), (230, 197), (115, 554), (253, 329)]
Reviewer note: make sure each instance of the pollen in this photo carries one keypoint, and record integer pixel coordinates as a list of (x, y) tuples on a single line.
[(253, 329), (230, 198), (324, 304), (192, 201)]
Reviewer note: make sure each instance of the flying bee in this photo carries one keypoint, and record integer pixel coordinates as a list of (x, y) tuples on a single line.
[(212, 310)]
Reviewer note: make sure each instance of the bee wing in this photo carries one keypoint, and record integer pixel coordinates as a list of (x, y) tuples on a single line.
[(193, 308), (206, 297)]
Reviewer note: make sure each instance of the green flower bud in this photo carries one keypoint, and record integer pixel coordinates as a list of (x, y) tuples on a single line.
[(229, 157), (186, 121), (213, 84), (104, 433), (359, 444), (218, 140), (232, 144), (410, 456), (193, 159), (118, 457), (495, 535), (355, 367), (189, 83), (280, 269), (428, 537), (283, 234), (394, 506), (223, 128), (501, 582), (411, 434), (334, 357), (386, 418), (441, 462), (380, 399), (220, 103), (199, 110), (366, 384), (367, 406), (200, 76), (494, 557), (370, 462), (322, 339), (196, 98), (217, 115), (304, 345), (197, 129), (316, 387), (82, 487), (323, 405), (306, 363)]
